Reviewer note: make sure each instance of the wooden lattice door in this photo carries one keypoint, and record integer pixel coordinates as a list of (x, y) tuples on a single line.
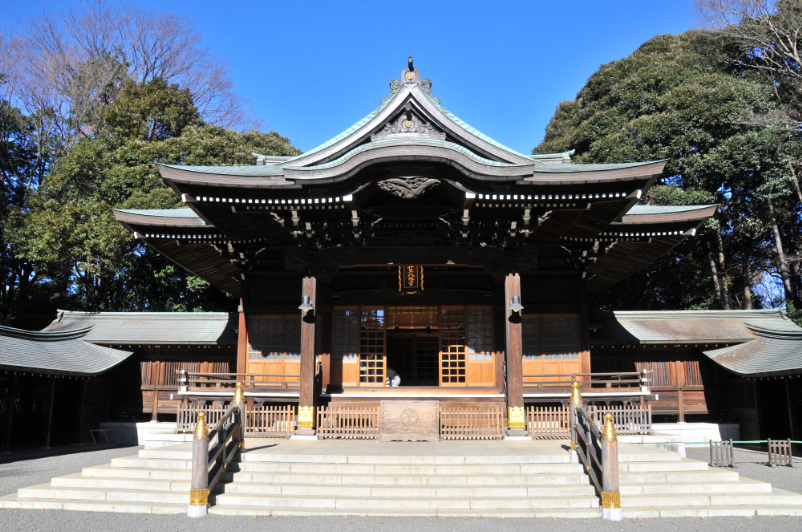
[(372, 347), (452, 347), (551, 346), (274, 347), (480, 366)]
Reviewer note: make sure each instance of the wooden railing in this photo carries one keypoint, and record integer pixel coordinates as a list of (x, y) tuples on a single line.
[(348, 422), (627, 379), (195, 381), (471, 422), (226, 438), (627, 419), (188, 414), (597, 450), (271, 421), (548, 421)]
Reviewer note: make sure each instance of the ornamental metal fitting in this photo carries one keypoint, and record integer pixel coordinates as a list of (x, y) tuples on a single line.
[(306, 417), (516, 418), (576, 397), (611, 499), (573, 446), (199, 497), (239, 396), (201, 430), (608, 430)]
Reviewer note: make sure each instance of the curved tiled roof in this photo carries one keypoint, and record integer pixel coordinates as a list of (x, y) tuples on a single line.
[(775, 350), (62, 352), (137, 328)]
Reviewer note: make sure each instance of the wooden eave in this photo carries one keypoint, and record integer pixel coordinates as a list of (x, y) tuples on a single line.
[(696, 217), (202, 260), (131, 219)]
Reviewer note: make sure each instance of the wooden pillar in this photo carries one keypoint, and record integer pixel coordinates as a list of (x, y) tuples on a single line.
[(514, 341), (11, 405), (306, 401), (49, 413), (154, 415), (242, 340), (792, 421), (681, 405)]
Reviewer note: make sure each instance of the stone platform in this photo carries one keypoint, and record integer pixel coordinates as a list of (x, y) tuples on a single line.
[(368, 478)]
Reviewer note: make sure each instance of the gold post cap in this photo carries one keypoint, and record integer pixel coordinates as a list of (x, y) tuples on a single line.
[(608, 430), (201, 429), (576, 397), (239, 395)]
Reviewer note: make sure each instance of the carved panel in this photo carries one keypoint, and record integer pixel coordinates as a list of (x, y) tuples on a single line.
[(409, 187), (410, 421), (408, 123)]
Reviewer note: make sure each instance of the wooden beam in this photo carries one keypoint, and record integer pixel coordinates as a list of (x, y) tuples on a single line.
[(242, 340), (49, 413), (307, 387), (514, 342), (10, 406)]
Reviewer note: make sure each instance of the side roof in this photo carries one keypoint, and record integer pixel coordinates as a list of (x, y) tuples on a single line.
[(149, 328), (55, 353)]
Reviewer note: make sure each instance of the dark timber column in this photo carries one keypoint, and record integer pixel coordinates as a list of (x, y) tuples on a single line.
[(11, 405), (49, 413), (515, 394), (306, 401)]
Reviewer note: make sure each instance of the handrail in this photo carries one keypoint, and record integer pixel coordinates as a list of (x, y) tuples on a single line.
[(229, 438), (597, 450)]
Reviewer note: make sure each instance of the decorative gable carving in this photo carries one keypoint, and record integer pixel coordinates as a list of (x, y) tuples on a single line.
[(407, 188), (408, 123)]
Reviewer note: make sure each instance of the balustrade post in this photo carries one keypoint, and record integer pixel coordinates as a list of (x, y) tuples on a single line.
[(239, 400), (199, 489), (611, 496), (576, 402)]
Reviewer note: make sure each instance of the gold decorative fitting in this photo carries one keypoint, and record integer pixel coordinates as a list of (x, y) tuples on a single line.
[(516, 417), (587, 468), (408, 124), (241, 445), (306, 417), (410, 76), (573, 446), (201, 430), (239, 396), (608, 430), (576, 397), (611, 499), (199, 497)]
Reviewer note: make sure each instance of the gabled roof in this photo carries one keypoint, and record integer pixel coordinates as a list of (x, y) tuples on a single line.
[(775, 350), (655, 214), (141, 328), (684, 326), (62, 352)]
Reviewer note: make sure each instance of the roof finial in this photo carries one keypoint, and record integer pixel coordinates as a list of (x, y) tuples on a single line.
[(409, 61)]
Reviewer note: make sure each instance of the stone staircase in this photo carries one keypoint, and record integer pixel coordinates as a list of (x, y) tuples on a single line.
[(361, 478)]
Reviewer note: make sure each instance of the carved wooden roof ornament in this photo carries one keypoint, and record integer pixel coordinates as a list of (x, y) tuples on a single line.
[(407, 187), (411, 76)]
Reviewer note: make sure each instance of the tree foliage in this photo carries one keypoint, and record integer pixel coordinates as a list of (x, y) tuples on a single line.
[(678, 97), (64, 229)]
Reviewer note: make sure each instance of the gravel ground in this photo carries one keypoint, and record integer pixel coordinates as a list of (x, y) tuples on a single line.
[(58, 520), (752, 464), (23, 473)]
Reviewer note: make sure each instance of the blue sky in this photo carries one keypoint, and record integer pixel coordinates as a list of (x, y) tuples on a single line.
[(314, 68)]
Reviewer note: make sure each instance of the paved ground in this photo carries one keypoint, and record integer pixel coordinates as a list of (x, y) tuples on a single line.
[(752, 464), (16, 473), (59, 520)]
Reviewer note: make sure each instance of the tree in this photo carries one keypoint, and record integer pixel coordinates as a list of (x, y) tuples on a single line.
[(66, 227), (674, 98)]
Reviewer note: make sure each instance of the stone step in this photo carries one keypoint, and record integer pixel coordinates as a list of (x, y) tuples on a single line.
[(151, 463), (544, 513), (254, 488), (712, 511), (157, 440), (491, 481), (653, 467), (681, 488), (380, 469), (711, 475), (15, 502), (776, 498), (411, 503), (408, 460), (109, 471), (79, 481), (46, 491)]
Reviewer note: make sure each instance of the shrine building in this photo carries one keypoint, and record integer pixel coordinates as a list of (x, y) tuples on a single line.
[(412, 257)]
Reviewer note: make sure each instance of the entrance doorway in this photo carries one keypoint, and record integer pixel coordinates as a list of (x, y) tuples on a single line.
[(413, 356)]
